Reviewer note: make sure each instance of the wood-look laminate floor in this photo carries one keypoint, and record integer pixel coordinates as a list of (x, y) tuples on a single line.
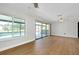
[(53, 45)]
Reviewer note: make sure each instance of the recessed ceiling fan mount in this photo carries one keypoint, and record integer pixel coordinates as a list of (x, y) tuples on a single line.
[(36, 5)]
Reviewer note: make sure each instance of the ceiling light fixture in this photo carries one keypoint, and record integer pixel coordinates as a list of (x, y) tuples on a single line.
[(60, 18)]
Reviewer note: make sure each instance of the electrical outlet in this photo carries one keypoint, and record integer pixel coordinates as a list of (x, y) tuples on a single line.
[(64, 33)]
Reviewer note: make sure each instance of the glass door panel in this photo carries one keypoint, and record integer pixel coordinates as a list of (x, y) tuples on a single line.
[(43, 30), (38, 31), (48, 29)]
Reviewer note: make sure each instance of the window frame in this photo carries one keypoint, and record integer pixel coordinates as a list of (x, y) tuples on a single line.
[(42, 30), (12, 21)]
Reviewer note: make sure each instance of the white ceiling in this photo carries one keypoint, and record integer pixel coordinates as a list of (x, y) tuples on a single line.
[(52, 10), (47, 11)]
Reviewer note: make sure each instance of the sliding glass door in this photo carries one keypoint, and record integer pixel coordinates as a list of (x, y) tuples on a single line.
[(42, 30), (38, 30)]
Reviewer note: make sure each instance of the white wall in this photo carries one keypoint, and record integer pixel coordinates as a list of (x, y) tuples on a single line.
[(29, 36), (30, 29), (69, 28)]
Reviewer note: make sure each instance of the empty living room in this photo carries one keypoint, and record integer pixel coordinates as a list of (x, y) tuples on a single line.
[(39, 28)]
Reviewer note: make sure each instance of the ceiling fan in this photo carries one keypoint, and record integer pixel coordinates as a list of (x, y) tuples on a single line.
[(36, 5)]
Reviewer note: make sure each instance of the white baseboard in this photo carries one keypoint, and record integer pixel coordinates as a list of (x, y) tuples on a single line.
[(65, 36), (12, 46)]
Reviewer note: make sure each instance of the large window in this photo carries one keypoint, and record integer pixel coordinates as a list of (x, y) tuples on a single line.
[(11, 27), (18, 27), (42, 30)]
